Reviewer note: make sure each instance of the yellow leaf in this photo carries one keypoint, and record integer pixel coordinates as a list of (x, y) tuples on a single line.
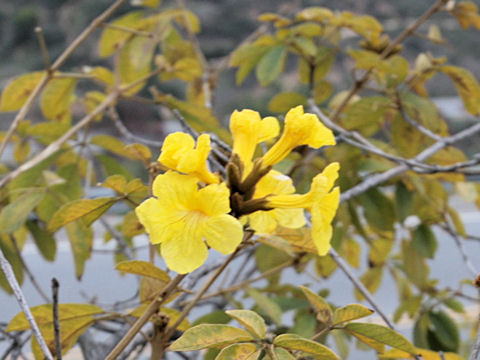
[(139, 152), (115, 182), (109, 143), (87, 209), (103, 74), (321, 307), (284, 101), (466, 13), (113, 39), (18, 90), (239, 352), (467, 86), (253, 322), (208, 336), (131, 226), (424, 353), (91, 100), (350, 312), (43, 315), (296, 342), (57, 97), (153, 4), (143, 268)]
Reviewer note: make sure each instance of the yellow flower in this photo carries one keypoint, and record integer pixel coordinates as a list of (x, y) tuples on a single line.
[(300, 129), (179, 153), (321, 203), (182, 216), (275, 183), (249, 129)]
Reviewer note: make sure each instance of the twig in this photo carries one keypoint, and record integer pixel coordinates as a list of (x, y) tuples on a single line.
[(142, 320), (56, 145), (27, 270), (55, 66), (126, 133), (475, 354), (22, 302), (122, 244), (56, 322), (358, 284), (43, 47)]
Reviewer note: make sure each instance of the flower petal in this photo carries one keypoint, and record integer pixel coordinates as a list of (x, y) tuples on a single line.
[(175, 190), (174, 147), (184, 253), (290, 218), (321, 231), (214, 199), (223, 233), (263, 222), (269, 129)]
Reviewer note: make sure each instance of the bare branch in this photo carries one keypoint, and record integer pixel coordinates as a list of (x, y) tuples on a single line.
[(22, 302), (56, 322)]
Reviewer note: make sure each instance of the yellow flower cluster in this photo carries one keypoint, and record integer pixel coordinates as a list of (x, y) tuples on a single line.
[(193, 209)]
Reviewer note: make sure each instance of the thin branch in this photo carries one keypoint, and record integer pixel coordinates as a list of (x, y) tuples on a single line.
[(56, 322), (126, 133), (122, 244), (56, 145), (142, 320), (43, 47), (56, 65), (27, 270), (360, 287), (22, 302)]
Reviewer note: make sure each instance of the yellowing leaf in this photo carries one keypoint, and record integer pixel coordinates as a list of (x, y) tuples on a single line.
[(109, 143), (283, 102), (88, 210), (81, 239), (350, 312), (299, 239), (153, 4), (144, 268), (245, 351), (424, 353), (18, 90), (467, 87), (43, 315), (253, 322), (113, 39), (381, 334), (296, 342), (92, 100), (57, 97), (321, 307), (139, 152), (467, 15), (102, 74), (207, 336), (14, 215)]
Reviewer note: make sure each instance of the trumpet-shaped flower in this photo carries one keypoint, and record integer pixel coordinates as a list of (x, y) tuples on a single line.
[(275, 183), (181, 217), (300, 129), (249, 129), (179, 153), (320, 201)]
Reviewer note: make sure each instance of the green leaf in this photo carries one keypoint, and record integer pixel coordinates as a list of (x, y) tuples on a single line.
[(208, 335), (350, 312), (295, 342), (381, 334), (403, 201), (43, 239), (143, 268), (14, 215), (271, 64), (424, 240), (366, 115), (43, 315), (18, 90), (379, 209), (443, 333), (284, 101), (109, 143), (88, 210), (372, 279), (81, 239), (321, 307), (246, 351), (57, 97), (268, 306), (11, 254), (214, 317), (253, 322), (246, 57), (414, 265)]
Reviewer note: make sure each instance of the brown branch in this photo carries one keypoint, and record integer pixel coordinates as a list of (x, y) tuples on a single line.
[(56, 321)]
